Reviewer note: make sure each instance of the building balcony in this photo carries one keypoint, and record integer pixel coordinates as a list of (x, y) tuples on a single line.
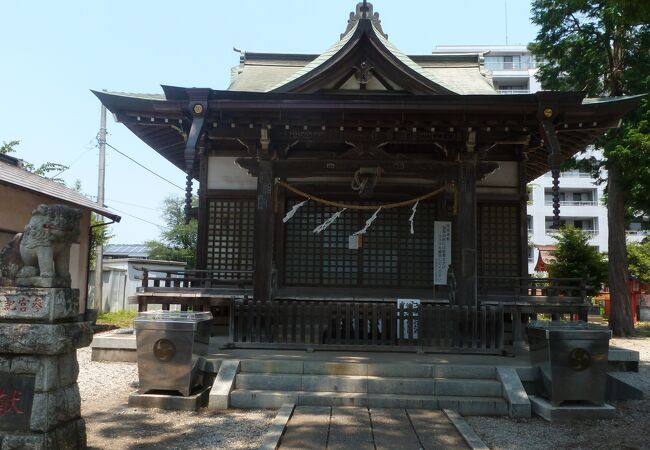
[(513, 91), (573, 203), (571, 174), (553, 231), (510, 65), (637, 232)]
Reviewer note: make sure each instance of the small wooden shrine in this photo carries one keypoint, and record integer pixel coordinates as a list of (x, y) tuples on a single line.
[(362, 176)]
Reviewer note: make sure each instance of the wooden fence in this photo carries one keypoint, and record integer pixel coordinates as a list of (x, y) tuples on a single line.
[(367, 326), (507, 289), (195, 279)]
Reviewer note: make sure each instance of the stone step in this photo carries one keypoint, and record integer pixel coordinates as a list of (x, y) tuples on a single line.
[(468, 387), (369, 384), (244, 398), (406, 370)]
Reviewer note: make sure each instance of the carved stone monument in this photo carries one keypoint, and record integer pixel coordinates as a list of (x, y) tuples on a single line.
[(40, 407)]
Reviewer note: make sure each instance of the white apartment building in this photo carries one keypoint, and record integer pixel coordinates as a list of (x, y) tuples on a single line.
[(512, 69)]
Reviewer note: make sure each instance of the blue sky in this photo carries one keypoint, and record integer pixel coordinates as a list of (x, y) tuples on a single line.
[(54, 52)]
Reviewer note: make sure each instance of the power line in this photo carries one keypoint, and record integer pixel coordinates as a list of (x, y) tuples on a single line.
[(145, 168), (135, 217), (69, 166), (134, 205)]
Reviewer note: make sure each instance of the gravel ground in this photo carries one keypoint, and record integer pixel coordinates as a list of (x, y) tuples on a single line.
[(629, 429), (111, 424)]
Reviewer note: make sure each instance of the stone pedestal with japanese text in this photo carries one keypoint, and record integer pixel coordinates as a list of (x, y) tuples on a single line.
[(40, 407)]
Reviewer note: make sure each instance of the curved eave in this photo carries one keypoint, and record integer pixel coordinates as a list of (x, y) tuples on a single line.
[(318, 69), (160, 123), (163, 123)]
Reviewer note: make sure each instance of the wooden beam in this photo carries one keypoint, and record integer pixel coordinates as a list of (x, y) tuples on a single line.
[(424, 169)]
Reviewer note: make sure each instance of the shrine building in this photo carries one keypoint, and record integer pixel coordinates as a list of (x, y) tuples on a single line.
[(341, 193)]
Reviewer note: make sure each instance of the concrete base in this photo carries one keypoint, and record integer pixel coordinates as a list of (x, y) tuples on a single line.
[(161, 400), (619, 389), (623, 360), (116, 346), (575, 411)]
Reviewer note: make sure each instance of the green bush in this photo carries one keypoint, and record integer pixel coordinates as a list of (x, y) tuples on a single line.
[(575, 258), (120, 319)]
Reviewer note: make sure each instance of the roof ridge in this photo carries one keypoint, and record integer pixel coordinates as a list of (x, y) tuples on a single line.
[(17, 176)]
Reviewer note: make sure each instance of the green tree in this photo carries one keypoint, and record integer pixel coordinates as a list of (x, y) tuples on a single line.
[(601, 47), (638, 257), (575, 258), (43, 170), (178, 240), (100, 233), (8, 147)]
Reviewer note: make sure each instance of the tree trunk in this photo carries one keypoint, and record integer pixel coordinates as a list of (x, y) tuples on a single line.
[(620, 320)]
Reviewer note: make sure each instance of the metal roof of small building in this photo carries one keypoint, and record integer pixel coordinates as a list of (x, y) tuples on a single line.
[(12, 175), (126, 250)]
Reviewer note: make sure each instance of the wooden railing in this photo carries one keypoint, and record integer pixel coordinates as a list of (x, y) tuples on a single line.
[(509, 289), (371, 326), (195, 279)]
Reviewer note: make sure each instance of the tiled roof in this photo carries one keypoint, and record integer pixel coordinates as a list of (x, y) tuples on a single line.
[(323, 58), (14, 176), (274, 71)]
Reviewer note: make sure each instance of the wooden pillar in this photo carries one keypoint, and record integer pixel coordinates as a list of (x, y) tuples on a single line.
[(264, 225), (202, 238), (198, 107), (523, 217), (547, 112), (466, 273), (555, 173)]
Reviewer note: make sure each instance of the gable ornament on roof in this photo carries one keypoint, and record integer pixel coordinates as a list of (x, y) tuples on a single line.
[(363, 73), (364, 10)]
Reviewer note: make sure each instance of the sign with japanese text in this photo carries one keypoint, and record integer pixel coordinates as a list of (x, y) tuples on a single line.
[(441, 251), (16, 399), (38, 304), (407, 328)]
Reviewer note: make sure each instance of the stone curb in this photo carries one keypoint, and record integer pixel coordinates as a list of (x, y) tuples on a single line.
[(471, 438), (514, 392), (279, 424), (223, 385)]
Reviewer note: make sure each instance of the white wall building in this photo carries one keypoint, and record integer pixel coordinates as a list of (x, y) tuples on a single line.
[(512, 69)]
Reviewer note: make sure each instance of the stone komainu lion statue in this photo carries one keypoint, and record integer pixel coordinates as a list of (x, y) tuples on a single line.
[(44, 247)]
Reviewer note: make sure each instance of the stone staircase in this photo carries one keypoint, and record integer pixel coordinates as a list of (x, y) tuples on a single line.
[(470, 390)]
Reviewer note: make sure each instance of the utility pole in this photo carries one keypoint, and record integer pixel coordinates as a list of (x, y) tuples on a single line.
[(99, 250)]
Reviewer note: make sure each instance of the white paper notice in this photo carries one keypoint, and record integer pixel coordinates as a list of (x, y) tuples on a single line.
[(441, 251)]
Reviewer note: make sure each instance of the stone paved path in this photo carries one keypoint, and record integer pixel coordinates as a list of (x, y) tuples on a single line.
[(316, 427)]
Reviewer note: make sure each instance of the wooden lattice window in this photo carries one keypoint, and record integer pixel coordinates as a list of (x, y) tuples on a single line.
[(390, 255), (230, 234), (499, 240)]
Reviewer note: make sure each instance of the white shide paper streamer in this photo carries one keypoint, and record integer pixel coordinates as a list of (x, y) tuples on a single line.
[(323, 226), (368, 223), (415, 207), (293, 211)]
